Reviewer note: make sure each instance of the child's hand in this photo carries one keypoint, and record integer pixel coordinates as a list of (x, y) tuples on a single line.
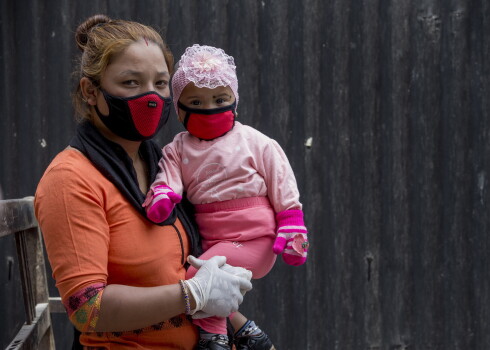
[(160, 202), (291, 240)]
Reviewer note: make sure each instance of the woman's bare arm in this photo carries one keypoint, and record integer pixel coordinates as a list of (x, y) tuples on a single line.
[(125, 308)]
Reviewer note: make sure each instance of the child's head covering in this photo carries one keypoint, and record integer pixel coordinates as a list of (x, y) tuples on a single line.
[(205, 66)]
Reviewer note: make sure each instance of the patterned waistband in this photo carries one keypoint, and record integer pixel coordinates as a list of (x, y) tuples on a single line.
[(232, 204)]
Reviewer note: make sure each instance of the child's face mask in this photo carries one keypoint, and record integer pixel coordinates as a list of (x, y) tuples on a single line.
[(136, 118), (208, 124)]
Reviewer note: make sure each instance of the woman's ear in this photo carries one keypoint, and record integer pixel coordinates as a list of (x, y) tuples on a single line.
[(89, 91)]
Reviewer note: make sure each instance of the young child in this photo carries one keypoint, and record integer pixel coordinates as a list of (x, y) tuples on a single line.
[(239, 180)]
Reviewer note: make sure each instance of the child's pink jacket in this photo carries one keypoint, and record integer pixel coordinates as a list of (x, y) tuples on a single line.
[(242, 163)]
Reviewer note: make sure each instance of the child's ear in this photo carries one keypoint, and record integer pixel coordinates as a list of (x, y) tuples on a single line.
[(89, 91)]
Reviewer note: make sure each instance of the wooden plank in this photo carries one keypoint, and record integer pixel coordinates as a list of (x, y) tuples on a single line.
[(457, 167), (370, 28), (56, 306), (315, 64), (18, 219), (392, 239), (30, 335), (26, 276), (32, 269), (479, 121), (16, 215)]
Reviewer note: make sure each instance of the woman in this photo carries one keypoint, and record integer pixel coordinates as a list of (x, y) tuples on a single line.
[(121, 277)]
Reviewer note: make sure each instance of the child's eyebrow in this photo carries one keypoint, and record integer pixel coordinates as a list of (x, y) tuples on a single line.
[(223, 94)]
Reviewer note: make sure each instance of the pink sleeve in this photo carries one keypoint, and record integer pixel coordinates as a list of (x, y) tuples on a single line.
[(282, 188), (170, 173)]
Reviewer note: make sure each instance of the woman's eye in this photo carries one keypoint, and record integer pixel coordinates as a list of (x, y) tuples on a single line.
[(130, 82), (162, 83)]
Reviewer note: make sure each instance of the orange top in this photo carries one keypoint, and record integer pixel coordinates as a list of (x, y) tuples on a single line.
[(93, 235)]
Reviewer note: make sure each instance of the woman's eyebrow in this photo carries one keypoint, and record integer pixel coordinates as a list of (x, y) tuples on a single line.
[(138, 73), (130, 72)]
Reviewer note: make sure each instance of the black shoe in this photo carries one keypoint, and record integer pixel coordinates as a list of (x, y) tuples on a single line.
[(254, 342), (217, 342)]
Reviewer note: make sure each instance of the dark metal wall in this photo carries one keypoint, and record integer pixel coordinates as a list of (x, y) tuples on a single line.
[(394, 95)]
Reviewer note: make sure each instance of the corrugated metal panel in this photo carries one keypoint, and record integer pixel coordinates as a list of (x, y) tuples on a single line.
[(394, 96)]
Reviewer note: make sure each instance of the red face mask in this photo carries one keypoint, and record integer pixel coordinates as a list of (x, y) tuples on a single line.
[(208, 124)]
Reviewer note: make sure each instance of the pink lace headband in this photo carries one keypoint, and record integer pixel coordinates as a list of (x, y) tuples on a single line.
[(205, 66)]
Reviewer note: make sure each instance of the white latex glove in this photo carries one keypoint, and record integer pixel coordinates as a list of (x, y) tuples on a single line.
[(216, 292), (237, 271)]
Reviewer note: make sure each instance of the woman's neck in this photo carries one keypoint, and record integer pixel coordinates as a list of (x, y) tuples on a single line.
[(139, 164), (131, 147)]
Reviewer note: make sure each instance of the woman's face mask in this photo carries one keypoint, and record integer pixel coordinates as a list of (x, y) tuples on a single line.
[(136, 118), (208, 124)]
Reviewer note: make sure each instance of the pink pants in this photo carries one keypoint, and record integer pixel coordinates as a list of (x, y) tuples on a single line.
[(243, 230)]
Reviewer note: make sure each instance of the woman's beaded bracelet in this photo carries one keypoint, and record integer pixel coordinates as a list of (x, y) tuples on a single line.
[(186, 297)]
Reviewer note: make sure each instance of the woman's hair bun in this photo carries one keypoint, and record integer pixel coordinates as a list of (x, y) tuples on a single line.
[(83, 30)]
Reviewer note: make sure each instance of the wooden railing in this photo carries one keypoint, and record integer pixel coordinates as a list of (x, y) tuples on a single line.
[(17, 218)]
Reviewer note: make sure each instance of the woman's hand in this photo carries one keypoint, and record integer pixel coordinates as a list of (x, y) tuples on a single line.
[(217, 288)]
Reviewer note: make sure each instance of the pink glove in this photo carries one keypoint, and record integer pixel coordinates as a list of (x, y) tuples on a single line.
[(291, 238), (160, 202)]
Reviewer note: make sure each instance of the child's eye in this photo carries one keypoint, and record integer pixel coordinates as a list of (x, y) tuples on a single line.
[(195, 102), (220, 100)]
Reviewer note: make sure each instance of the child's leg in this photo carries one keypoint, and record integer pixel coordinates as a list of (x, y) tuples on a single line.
[(255, 255), (237, 320), (247, 335), (216, 325)]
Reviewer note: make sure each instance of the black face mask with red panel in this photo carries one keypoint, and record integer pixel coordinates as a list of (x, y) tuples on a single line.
[(136, 118)]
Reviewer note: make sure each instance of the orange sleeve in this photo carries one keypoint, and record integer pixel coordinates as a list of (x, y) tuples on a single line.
[(71, 215), (84, 307)]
